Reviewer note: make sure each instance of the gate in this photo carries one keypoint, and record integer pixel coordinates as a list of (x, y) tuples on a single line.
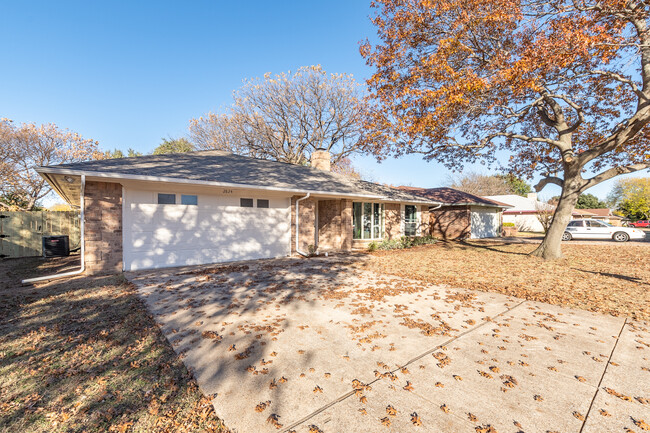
[(21, 232)]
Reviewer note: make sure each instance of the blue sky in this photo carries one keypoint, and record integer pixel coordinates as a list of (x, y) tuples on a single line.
[(129, 73)]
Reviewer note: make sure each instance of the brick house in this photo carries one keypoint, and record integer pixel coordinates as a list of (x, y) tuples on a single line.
[(159, 211), (461, 215)]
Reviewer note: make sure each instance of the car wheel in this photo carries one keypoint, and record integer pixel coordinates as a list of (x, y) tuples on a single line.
[(621, 237), (566, 236)]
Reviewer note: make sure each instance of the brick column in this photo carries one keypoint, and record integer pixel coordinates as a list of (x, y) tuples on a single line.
[(103, 233), (346, 225), (307, 224)]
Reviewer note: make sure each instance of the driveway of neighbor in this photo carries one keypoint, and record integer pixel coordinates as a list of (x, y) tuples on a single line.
[(319, 345)]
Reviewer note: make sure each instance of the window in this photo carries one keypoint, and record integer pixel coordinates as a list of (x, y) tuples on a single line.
[(575, 224), (410, 220), (592, 223), (166, 198), (367, 220), (190, 200), (262, 203), (246, 202)]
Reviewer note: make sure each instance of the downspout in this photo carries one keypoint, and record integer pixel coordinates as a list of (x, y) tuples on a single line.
[(302, 253), (82, 227)]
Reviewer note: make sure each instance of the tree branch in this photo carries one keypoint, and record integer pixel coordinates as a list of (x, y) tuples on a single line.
[(550, 179), (613, 172)]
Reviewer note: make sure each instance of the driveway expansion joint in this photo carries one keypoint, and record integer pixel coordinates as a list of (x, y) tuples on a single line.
[(609, 360), (411, 361)]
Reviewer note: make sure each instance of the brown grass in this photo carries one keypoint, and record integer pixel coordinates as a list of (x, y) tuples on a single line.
[(84, 355), (612, 279)]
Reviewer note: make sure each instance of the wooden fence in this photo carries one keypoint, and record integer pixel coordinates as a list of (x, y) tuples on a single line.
[(21, 232)]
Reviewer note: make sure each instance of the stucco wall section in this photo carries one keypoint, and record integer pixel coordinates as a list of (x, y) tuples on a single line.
[(452, 222), (306, 224), (103, 232)]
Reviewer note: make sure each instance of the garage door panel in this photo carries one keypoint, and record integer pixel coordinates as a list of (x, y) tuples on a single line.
[(485, 223), (215, 231)]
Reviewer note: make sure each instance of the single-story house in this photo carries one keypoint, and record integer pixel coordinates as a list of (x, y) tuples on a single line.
[(461, 215), (202, 207), (524, 211), (604, 215)]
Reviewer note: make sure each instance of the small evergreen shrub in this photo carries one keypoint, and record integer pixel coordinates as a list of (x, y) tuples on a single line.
[(401, 243)]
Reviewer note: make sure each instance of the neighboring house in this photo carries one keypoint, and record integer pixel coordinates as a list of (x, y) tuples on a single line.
[(193, 208), (524, 211), (462, 215), (604, 215)]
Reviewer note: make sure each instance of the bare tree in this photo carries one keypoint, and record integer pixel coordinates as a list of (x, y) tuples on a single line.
[(25, 146), (544, 214), (287, 116), (479, 184)]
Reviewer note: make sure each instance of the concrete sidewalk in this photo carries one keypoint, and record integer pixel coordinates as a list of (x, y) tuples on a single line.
[(319, 345)]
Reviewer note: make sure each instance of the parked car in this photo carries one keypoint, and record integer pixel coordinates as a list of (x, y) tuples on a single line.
[(640, 223), (593, 229)]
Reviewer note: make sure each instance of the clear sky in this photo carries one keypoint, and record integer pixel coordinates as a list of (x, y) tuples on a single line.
[(130, 73)]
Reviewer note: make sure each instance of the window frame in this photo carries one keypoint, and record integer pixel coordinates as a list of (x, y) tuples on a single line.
[(414, 222), (166, 194), (241, 202), (196, 199), (368, 220)]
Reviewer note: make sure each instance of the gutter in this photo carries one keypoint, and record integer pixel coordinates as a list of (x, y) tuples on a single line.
[(82, 227), (302, 253)]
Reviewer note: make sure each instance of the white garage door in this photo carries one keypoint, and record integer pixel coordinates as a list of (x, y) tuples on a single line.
[(215, 229), (485, 222)]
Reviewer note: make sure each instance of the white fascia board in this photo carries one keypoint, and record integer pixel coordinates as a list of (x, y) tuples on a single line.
[(117, 176)]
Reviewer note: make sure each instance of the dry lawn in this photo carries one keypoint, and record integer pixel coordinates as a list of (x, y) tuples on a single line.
[(607, 278), (83, 355)]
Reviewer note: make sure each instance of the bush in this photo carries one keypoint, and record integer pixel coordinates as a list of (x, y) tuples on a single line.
[(508, 224), (401, 243)]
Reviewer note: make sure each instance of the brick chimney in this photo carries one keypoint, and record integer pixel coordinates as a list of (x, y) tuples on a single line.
[(321, 159)]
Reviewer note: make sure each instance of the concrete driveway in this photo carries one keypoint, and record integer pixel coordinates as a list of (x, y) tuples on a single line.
[(318, 345)]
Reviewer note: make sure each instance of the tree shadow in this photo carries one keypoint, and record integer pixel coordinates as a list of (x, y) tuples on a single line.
[(82, 354), (617, 276)]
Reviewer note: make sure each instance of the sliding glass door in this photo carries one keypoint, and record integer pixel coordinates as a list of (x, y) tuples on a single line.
[(368, 220)]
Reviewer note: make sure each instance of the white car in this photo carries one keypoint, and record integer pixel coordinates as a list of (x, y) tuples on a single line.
[(594, 229)]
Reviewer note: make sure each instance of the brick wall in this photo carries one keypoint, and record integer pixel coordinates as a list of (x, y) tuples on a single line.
[(392, 221), (334, 225), (451, 222), (307, 224), (425, 227), (103, 233)]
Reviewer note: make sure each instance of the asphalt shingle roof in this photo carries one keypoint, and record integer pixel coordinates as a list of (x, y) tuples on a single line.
[(451, 196), (227, 168)]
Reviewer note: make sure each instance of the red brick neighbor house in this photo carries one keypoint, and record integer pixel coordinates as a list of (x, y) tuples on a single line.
[(159, 211), (461, 215)]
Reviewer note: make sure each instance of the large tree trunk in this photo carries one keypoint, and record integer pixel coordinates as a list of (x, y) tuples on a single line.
[(551, 246)]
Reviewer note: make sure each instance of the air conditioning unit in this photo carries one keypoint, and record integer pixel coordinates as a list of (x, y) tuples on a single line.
[(56, 246)]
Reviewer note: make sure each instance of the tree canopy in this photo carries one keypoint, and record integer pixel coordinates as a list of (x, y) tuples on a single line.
[(561, 87), (27, 145), (173, 145), (285, 117), (632, 197), (483, 184)]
